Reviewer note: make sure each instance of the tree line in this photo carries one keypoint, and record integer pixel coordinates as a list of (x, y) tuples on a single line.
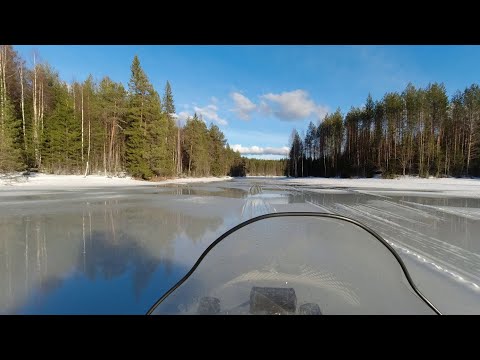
[(263, 167), (92, 127), (416, 132)]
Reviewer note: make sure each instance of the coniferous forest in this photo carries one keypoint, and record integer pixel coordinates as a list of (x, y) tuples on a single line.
[(417, 132), (101, 127)]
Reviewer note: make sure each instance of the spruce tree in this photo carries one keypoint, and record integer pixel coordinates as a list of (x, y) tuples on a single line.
[(168, 104), (136, 147), (61, 147), (172, 132), (157, 139), (217, 150)]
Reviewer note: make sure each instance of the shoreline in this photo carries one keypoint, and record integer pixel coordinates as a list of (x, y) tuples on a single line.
[(40, 180), (406, 186), (470, 186)]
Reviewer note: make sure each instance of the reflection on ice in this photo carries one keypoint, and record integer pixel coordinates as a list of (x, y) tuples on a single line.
[(101, 242)]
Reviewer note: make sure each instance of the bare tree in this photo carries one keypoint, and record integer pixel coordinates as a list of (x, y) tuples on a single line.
[(3, 89), (89, 132), (22, 104)]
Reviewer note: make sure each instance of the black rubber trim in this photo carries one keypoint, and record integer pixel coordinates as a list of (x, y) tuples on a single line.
[(289, 213)]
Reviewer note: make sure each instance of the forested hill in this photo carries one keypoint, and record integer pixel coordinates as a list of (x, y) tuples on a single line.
[(100, 127), (416, 132)]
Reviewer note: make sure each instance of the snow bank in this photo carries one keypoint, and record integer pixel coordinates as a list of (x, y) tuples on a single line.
[(400, 183), (266, 176), (448, 186), (48, 181)]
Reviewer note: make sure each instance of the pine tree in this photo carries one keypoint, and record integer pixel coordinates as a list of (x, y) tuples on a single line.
[(472, 108), (11, 140), (159, 160), (61, 146), (296, 154), (217, 150), (90, 110), (10, 155), (112, 107), (196, 147)]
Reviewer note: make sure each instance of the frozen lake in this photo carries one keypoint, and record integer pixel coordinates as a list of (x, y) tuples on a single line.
[(115, 250)]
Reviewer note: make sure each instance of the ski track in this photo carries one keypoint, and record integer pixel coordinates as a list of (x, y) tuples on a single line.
[(413, 211), (256, 205), (450, 256), (399, 224), (469, 213)]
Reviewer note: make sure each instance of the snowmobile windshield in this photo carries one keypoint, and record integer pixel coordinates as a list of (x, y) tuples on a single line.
[(296, 263)]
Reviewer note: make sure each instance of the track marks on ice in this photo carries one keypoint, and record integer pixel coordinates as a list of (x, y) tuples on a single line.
[(448, 258), (469, 213)]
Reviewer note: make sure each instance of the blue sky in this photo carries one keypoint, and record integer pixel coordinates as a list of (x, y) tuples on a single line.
[(258, 94)]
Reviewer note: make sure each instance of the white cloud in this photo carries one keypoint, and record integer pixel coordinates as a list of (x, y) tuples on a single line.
[(210, 112), (239, 136), (243, 106), (265, 157), (181, 117), (264, 109), (256, 150), (292, 105)]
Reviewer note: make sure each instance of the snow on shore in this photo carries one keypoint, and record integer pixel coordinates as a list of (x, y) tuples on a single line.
[(50, 181), (405, 184), (401, 183), (265, 176), (447, 186)]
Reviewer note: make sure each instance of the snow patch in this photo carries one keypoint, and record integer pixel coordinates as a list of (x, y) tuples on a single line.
[(59, 182), (438, 186)]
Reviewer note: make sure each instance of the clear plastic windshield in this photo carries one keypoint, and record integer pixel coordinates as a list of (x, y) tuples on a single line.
[(296, 265)]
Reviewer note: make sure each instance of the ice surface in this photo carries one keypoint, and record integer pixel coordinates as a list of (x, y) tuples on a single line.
[(110, 245)]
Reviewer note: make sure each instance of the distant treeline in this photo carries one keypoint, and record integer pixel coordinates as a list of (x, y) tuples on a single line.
[(261, 167), (416, 132), (100, 127)]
